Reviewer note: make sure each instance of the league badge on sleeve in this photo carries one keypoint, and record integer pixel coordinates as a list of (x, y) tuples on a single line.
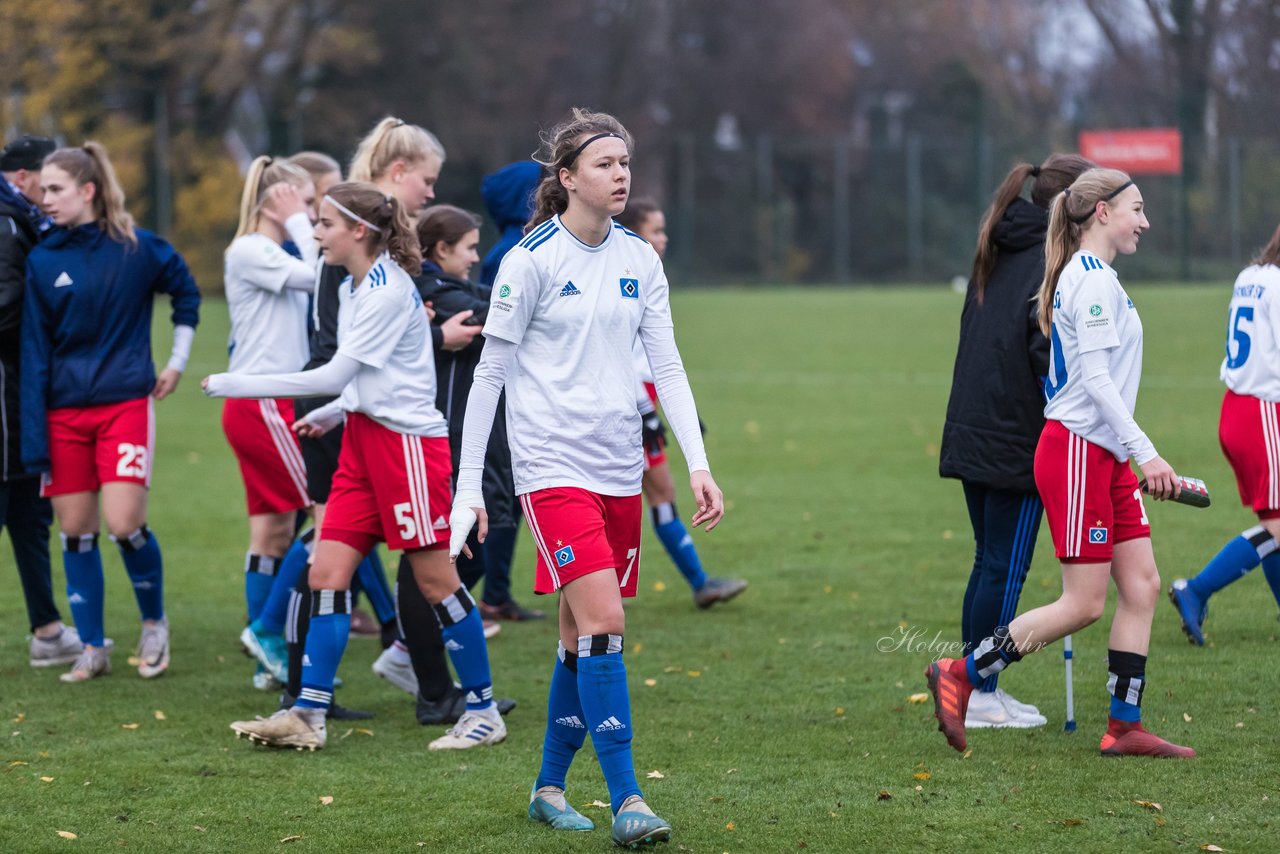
[(630, 288)]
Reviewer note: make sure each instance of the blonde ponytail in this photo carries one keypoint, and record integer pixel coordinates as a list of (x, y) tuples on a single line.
[(264, 173), (392, 140)]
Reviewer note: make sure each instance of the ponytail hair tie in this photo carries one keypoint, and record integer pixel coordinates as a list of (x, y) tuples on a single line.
[(1035, 171)]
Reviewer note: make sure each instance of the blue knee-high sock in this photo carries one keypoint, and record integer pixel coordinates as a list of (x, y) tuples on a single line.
[(374, 582), (142, 560), (83, 563), (566, 729), (270, 620), (326, 641), (259, 577), (1236, 558), (463, 633), (1271, 569), (602, 687), (676, 540)]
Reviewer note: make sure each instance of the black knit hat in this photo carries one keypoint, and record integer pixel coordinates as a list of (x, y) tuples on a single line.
[(26, 152)]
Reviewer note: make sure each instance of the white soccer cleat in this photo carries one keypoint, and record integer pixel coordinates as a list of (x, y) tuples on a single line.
[(153, 649), (301, 729), (1017, 706), (93, 662), (988, 711), (472, 730), (396, 668)]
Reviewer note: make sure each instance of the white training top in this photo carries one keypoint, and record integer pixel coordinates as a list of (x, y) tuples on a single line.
[(383, 326), (1252, 365), (641, 361), (267, 291), (574, 311), (1092, 313)]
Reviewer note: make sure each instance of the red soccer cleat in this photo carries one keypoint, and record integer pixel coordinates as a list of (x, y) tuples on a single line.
[(1130, 739), (950, 701)]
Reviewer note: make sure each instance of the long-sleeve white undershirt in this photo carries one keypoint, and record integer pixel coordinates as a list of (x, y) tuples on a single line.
[(1096, 376)]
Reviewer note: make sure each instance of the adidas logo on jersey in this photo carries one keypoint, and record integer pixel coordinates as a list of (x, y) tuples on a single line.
[(440, 522), (571, 721), (609, 724), (452, 645), (63, 280), (570, 291)]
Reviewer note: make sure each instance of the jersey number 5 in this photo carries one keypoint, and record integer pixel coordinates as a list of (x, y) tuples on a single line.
[(1242, 314), (404, 518), (133, 460)]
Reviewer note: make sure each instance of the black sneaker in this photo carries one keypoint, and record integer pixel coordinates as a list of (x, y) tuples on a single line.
[(510, 610), (451, 707), (335, 712)]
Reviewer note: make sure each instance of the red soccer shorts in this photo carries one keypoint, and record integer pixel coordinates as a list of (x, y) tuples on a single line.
[(260, 434), (391, 487), (1091, 501), (579, 532), (1249, 431), (93, 445), (654, 454)]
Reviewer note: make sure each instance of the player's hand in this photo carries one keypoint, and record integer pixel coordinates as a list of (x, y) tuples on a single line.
[(708, 497), (454, 334), (461, 520), (166, 383), (316, 423), (283, 201), (431, 310), (1162, 482)]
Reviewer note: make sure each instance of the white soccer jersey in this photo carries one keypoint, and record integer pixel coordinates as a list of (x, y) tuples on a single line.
[(268, 320), (574, 311), (1252, 365), (383, 326), (1092, 312)]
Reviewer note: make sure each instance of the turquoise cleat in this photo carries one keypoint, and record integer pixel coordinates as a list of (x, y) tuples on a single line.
[(549, 806), (636, 825)]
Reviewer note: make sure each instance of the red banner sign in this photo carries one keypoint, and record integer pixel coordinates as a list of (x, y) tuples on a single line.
[(1145, 151)]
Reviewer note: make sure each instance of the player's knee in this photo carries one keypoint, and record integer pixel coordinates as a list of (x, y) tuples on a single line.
[(125, 530), (607, 619)]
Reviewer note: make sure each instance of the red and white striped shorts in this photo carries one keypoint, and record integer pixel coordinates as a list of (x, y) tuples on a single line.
[(579, 532), (261, 435), (1249, 431)]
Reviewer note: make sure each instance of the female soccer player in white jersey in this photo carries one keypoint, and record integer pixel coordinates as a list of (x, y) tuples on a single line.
[(1249, 431), (567, 304), (1091, 496), (392, 482), (645, 218), (268, 292)]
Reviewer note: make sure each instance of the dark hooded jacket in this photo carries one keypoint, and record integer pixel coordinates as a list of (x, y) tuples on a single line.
[(996, 410), (508, 196), (19, 233)]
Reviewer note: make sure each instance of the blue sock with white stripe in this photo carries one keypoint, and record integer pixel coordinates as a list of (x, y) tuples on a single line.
[(463, 633), (566, 729), (140, 552), (1125, 682), (326, 641), (679, 545), (259, 577), (1271, 569), (373, 580), (1234, 560), (83, 564), (602, 688), (270, 619)]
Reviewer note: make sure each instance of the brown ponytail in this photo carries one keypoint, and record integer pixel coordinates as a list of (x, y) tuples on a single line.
[(1269, 254), (550, 197), (89, 164), (1051, 177), (1070, 215), (395, 234), (444, 224)]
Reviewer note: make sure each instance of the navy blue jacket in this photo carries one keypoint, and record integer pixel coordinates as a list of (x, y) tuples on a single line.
[(508, 195), (86, 323)]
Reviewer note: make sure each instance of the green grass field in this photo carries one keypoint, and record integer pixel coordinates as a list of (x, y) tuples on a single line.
[(779, 722)]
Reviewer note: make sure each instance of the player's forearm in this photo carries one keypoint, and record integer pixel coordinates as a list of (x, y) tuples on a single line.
[(1104, 394), (675, 394), (183, 336), (327, 380), (496, 362)]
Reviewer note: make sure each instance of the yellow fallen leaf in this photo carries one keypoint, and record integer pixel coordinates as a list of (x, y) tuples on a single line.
[(160, 716), (1151, 805), (598, 804), (919, 788), (656, 775), (715, 799), (918, 698), (22, 716), (292, 838), (199, 828), (923, 775), (66, 834), (46, 779), (884, 795), (827, 588), (730, 826), (1160, 822), (15, 763), (671, 670), (651, 682), (659, 586), (134, 661), (1239, 724), (839, 711), (326, 799), (345, 734), (696, 673), (128, 726), (364, 731), (635, 649), (1186, 717), (44, 754), (1208, 847), (968, 753)]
